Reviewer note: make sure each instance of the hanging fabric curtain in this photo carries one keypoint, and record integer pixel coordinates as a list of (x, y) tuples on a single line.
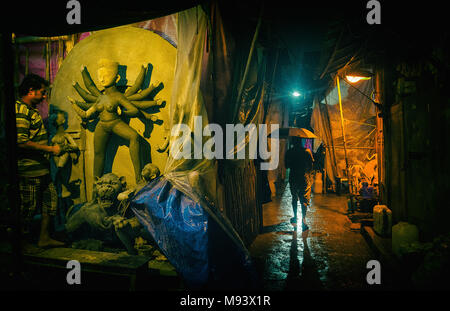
[(231, 65), (320, 122), (359, 119), (178, 208)]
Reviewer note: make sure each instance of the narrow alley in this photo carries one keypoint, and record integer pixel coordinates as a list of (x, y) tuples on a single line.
[(328, 256), (148, 147)]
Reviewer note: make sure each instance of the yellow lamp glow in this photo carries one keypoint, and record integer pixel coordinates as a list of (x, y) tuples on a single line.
[(354, 79)]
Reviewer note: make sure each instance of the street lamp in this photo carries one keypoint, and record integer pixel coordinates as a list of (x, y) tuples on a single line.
[(359, 75), (356, 76)]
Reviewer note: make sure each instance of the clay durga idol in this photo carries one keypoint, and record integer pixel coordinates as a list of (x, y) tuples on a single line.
[(108, 105)]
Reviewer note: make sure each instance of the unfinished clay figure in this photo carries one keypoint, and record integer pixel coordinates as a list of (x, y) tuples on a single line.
[(64, 140), (107, 107), (149, 172), (127, 228), (106, 218), (69, 153), (94, 219)]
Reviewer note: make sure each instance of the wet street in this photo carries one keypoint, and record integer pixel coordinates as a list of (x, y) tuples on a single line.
[(328, 256)]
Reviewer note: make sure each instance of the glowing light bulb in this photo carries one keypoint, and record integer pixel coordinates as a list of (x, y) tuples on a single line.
[(354, 79), (296, 94)]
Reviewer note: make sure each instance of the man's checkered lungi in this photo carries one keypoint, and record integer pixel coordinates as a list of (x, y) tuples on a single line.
[(37, 194)]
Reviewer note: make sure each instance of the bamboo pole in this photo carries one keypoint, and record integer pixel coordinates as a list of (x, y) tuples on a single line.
[(333, 153), (379, 83), (27, 61), (47, 60), (343, 136), (269, 99), (249, 59), (22, 40), (341, 147)]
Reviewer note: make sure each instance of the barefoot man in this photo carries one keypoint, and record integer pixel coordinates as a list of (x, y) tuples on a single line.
[(37, 192)]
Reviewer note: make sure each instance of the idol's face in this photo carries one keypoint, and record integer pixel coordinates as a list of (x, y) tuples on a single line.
[(60, 119), (107, 76), (149, 172)]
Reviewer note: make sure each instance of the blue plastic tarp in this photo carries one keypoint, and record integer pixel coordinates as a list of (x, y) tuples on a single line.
[(194, 242)]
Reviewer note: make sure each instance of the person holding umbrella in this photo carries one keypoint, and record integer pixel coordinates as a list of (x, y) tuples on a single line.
[(300, 162)]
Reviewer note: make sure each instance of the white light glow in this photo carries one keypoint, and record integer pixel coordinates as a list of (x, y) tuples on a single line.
[(296, 94), (354, 79)]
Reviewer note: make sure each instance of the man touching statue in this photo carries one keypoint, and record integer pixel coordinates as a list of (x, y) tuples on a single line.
[(37, 192)]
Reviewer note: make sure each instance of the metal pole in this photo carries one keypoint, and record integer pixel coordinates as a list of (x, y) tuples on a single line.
[(343, 136)]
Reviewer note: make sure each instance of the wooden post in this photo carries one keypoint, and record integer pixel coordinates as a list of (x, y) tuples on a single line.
[(7, 92)]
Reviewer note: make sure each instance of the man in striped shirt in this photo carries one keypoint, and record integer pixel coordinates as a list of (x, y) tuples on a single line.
[(37, 191)]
